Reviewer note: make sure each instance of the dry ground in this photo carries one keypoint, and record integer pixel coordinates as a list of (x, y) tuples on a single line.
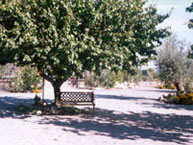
[(123, 117)]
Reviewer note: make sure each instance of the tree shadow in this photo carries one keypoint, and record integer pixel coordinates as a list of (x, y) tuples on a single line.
[(117, 97), (132, 126), (154, 102), (169, 106), (158, 90), (9, 106), (145, 125)]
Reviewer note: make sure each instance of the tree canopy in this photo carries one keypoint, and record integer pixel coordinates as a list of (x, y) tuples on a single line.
[(65, 37)]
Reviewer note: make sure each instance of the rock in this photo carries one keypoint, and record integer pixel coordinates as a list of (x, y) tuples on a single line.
[(39, 112), (44, 103)]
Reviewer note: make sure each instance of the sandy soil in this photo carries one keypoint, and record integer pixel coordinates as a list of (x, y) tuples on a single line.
[(123, 117)]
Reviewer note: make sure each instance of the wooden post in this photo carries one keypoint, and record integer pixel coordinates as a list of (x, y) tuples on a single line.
[(43, 89), (76, 80)]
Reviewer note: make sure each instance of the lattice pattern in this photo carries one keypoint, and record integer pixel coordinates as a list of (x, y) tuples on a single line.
[(77, 96)]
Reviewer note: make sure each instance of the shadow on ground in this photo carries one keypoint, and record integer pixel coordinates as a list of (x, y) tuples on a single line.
[(144, 101), (122, 97), (169, 106), (9, 106), (131, 125), (159, 90)]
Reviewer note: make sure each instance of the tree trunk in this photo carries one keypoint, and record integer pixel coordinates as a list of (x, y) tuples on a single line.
[(56, 83), (76, 79), (180, 87), (57, 90)]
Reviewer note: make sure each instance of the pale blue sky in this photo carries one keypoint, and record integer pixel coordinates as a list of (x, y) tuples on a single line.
[(179, 17)]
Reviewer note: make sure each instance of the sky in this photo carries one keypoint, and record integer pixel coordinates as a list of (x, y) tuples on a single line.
[(178, 19)]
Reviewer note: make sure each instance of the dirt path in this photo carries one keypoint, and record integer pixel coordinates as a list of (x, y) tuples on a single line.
[(123, 117)]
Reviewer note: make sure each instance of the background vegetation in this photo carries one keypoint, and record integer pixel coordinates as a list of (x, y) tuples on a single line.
[(22, 79), (27, 79), (174, 66)]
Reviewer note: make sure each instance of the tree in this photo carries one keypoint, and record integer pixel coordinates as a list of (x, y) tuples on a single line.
[(65, 37), (173, 64), (190, 26)]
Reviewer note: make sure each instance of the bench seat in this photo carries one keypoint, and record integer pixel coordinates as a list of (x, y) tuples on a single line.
[(76, 98)]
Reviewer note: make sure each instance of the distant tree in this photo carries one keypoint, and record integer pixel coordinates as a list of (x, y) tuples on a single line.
[(62, 38), (149, 74), (173, 64), (190, 26)]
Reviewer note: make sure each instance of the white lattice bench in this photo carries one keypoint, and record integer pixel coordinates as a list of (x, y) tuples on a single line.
[(76, 98)]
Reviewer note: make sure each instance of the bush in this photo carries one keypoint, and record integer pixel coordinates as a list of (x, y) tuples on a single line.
[(37, 91), (106, 79), (160, 87), (167, 86), (27, 79), (185, 99)]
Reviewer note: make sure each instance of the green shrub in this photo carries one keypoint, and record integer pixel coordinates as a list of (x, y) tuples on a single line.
[(106, 79), (27, 79)]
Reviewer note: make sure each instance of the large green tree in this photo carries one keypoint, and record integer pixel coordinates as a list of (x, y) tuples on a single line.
[(65, 37)]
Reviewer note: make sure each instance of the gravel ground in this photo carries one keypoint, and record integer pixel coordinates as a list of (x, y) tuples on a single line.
[(123, 117)]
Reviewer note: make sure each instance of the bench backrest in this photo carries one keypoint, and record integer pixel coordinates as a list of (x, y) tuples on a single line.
[(76, 96)]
